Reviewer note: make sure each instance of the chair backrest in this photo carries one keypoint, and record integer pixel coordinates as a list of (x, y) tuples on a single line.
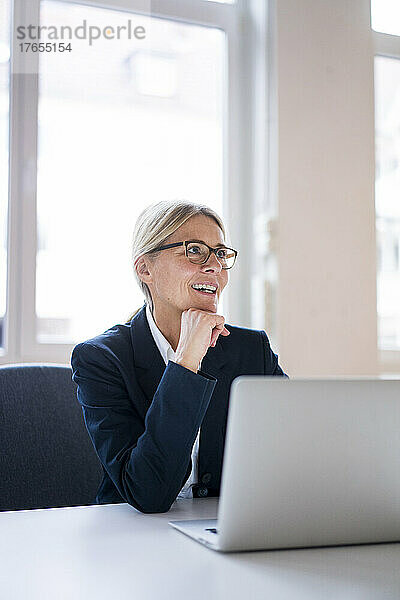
[(46, 456)]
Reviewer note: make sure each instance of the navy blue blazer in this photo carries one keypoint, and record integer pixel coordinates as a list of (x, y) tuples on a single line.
[(143, 416)]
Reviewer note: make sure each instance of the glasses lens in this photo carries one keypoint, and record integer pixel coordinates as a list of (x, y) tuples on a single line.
[(226, 257), (197, 252)]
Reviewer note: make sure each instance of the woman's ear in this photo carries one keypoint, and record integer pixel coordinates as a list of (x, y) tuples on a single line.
[(142, 269)]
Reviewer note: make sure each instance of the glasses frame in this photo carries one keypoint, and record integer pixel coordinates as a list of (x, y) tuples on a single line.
[(210, 251)]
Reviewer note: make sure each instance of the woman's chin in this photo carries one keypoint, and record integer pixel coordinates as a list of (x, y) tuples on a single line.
[(209, 304)]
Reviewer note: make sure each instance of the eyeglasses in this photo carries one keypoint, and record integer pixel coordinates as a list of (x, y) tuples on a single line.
[(199, 253)]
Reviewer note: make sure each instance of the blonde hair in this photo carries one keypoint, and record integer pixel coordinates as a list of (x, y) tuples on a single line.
[(154, 226)]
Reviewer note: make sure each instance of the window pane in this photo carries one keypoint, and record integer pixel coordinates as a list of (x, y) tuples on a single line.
[(387, 199), (385, 16), (4, 125), (121, 125)]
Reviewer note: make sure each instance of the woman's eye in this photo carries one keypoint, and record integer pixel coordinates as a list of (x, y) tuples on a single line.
[(222, 253), (194, 250)]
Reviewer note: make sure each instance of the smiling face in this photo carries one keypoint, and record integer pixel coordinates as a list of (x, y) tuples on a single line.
[(171, 276)]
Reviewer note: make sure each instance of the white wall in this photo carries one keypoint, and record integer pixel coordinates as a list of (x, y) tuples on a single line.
[(326, 293)]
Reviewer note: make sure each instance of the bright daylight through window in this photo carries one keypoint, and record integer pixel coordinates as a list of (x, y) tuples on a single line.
[(385, 16), (118, 130), (387, 91), (5, 10)]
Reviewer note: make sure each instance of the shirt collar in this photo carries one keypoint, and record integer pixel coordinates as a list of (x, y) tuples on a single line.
[(161, 342)]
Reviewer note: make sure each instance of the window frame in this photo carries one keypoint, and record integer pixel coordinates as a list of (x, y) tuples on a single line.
[(20, 343)]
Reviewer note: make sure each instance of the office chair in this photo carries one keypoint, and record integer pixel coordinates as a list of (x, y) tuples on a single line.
[(46, 456)]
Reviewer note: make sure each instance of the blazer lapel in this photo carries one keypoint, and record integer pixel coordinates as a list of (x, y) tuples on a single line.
[(148, 361), (212, 437), (215, 359)]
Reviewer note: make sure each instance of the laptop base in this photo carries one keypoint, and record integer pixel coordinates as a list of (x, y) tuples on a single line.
[(201, 530)]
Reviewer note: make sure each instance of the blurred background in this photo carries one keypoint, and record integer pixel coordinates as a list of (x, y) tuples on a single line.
[(283, 116)]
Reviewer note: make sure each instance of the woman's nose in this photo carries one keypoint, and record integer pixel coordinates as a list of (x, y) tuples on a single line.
[(212, 263)]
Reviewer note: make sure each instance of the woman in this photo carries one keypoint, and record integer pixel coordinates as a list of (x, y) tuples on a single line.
[(155, 390)]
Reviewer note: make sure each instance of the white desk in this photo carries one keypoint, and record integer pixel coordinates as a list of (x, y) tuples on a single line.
[(114, 552)]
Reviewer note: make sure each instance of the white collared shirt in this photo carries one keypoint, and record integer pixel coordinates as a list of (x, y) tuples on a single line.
[(167, 354)]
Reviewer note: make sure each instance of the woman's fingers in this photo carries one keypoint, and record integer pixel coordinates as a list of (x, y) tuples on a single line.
[(214, 336), (216, 332)]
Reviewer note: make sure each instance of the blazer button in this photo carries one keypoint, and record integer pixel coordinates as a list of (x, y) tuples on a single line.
[(203, 492), (206, 478)]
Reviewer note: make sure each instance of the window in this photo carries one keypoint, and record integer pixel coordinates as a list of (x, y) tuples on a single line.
[(4, 154), (137, 124), (102, 132), (385, 19), (387, 90), (385, 16)]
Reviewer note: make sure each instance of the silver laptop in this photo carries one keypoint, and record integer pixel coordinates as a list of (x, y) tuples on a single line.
[(307, 463)]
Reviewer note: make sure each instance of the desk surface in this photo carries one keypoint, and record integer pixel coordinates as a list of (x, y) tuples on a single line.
[(113, 551)]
